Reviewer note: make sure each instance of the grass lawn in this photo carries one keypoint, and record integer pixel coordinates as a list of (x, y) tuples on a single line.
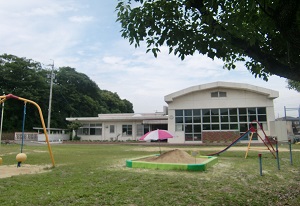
[(96, 175)]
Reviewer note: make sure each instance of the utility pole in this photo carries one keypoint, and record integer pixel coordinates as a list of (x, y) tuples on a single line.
[(50, 96), (2, 111)]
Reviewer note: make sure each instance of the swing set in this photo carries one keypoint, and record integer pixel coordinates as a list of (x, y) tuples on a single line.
[(21, 157)]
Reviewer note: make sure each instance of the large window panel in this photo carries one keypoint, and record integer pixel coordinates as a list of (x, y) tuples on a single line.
[(262, 118), (194, 121), (178, 113), (127, 130), (188, 119), (224, 111), (197, 128), (251, 110), (233, 119), (261, 110), (206, 119), (224, 126), (197, 119), (179, 120), (188, 128), (224, 119), (215, 127), (243, 118), (188, 112), (196, 112)]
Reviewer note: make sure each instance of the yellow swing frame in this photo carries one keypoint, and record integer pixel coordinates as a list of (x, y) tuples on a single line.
[(11, 96)]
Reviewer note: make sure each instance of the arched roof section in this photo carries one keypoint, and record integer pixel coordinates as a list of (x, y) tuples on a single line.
[(271, 94)]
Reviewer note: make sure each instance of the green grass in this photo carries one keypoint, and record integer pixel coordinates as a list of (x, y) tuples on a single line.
[(96, 175)]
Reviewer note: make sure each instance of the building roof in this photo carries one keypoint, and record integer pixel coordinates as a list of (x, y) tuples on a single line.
[(271, 94), (121, 117)]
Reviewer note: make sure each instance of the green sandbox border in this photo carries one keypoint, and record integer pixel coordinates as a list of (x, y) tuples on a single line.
[(135, 163)]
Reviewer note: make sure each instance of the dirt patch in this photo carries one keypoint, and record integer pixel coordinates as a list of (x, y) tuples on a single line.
[(13, 170), (174, 156)]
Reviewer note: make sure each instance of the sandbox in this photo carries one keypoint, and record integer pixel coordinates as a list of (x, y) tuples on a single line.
[(173, 160)]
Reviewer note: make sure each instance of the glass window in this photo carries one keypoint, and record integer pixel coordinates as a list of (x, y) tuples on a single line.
[(197, 128), (224, 111), (179, 120), (188, 112), (224, 126), (206, 119), (222, 94), (197, 136), (252, 118), (215, 127), (188, 119), (243, 127), (262, 118), (242, 111), (127, 130), (196, 112), (234, 126), (179, 127), (232, 111), (251, 110), (178, 113), (214, 112), (233, 118), (205, 112), (243, 118), (206, 126), (92, 131), (224, 119), (197, 119), (215, 119), (188, 128), (86, 131), (261, 110), (189, 137), (214, 94), (111, 128)]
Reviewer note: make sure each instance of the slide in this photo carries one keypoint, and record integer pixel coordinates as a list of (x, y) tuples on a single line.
[(232, 143)]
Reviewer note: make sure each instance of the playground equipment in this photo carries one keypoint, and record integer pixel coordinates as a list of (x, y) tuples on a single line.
[(21, 157), (250, 132), (266, 140)]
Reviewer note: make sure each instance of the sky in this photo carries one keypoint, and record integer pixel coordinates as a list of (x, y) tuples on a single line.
[(84, 34)]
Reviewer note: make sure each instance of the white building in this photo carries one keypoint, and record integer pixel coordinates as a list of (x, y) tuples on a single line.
[(211, 112), (119, 127)]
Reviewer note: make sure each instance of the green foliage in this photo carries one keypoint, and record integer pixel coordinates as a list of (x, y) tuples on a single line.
[(262, 33), (74, 94), (295, 85)]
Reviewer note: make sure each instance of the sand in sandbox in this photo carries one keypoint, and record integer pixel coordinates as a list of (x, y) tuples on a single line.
[(13, 170), (174, 156)]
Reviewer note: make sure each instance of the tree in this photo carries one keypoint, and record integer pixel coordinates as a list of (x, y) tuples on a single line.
[(74, 126), (74, 94), (295, 85), (265, 34)]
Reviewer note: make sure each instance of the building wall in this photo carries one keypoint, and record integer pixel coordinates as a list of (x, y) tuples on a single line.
[(235, 98)]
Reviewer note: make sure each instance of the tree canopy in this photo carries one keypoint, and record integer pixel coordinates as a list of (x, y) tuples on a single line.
[(265, 34), (74, 94)]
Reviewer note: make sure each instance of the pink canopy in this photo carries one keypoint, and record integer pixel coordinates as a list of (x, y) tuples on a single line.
[(158, 134)]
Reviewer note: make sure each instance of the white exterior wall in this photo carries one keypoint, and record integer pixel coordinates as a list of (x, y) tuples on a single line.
[(279, 129), (117, 135), (53, 137), (201, 99)]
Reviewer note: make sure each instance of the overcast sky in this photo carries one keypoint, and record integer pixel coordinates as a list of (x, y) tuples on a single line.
[(84, 34)]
